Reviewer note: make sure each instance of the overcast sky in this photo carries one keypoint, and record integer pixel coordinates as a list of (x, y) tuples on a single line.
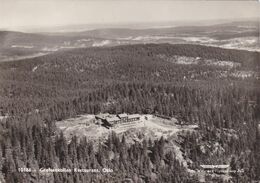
[(15, 14)]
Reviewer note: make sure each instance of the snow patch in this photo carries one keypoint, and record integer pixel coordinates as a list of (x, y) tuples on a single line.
[(102, 43), (3, 117), (50, 49), (221, 63), (125, 38), (84, 40), (22, 46), (199, 39), (34, 69), (249, 43), (152, 38), (183, 60), (243, 74)]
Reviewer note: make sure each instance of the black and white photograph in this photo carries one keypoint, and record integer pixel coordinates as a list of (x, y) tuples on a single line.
[(129, 91)]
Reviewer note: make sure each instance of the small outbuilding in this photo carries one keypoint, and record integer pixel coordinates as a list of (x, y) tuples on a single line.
[(215, 168)]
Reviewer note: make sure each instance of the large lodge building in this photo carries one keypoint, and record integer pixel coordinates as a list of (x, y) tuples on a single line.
[(115, 120)]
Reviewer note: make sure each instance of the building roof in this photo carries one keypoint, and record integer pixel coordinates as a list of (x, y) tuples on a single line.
[(134, 116), (111, 119), (214, 166), (123, 115)]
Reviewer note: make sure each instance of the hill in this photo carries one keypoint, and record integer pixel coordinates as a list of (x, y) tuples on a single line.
[(234, 35), (215, 89)]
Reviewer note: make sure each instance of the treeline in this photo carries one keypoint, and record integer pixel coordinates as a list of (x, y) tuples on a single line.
[(37, 148), (248, 59), (208, 105)]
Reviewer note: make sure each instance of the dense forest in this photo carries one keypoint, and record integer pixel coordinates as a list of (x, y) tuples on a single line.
[(36, 92)]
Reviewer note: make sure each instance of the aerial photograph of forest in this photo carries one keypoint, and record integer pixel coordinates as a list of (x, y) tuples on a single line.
[(129, 92)]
